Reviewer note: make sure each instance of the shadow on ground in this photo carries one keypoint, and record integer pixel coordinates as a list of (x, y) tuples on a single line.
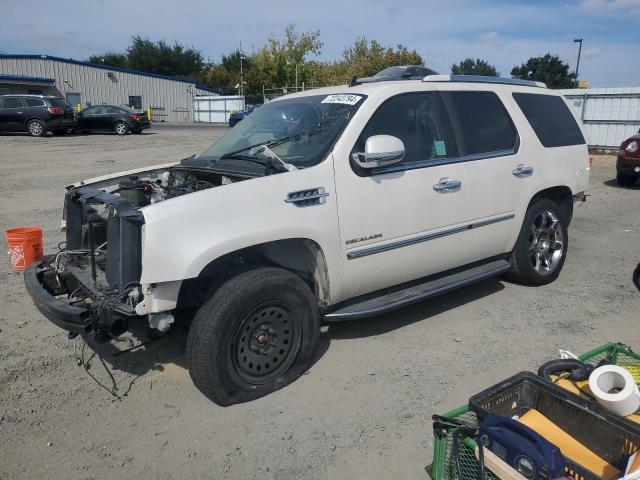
[(614, 183), (138, 353)]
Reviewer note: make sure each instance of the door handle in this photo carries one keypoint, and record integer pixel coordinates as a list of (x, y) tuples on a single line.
[(446, 186), (521, 171), (19, 111)]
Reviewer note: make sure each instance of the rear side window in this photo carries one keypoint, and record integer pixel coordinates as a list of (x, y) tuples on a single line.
[(56, 102), (34, 102), (550, 118), (481, 122)]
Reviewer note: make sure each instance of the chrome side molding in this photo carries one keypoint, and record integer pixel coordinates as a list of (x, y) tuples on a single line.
[(370, 250)]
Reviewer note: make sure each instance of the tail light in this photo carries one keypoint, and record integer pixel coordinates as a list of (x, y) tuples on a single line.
[(136, 116), (590, 162), (56, 110)]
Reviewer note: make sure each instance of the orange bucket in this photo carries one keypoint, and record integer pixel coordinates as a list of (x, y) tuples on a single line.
[(24, 246)]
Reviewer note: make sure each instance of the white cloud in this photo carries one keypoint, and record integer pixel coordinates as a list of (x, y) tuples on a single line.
[(591, 52), (633, 6)]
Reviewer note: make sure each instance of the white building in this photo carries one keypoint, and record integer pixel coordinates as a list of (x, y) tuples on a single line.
[(82, 83)]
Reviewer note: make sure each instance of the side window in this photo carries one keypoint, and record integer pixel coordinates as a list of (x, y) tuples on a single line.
[(34, 102), (550, 118), (12, 103), (417, 120), (90, 111), (111, 110), (481, 122)]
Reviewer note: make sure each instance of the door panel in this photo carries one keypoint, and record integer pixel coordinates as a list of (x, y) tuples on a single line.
[(488, 138), (394, 226), (12, 114)]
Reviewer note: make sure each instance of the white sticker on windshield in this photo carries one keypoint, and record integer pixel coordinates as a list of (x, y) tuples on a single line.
[(346, 98)]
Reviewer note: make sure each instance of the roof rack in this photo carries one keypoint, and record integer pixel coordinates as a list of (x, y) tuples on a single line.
[(483, 79)]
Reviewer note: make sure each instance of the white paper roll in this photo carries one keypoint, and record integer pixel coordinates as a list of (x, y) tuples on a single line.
[(615, 389)]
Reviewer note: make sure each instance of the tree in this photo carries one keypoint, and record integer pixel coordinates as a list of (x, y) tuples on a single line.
[(469, 66), (366, 58), (275, 64), (548, 69), (156, 57)]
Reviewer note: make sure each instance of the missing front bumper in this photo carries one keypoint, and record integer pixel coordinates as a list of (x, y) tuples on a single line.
[(67, 299), (68, 317)]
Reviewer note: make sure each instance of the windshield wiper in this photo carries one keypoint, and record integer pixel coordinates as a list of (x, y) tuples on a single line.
[(272, 143), (267, 163)]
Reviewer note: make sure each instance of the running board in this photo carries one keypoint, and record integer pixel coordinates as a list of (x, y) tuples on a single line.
[(390, 300)]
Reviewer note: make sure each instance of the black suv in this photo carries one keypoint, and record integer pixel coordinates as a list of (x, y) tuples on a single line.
[(35, 114)]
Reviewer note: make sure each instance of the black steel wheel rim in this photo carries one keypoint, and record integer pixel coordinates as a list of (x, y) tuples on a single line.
[(266, 343)]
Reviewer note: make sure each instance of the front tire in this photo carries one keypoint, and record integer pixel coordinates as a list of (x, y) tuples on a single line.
[(255, 335), (541, 248), (36, 128), (626, 180), (121, 128)]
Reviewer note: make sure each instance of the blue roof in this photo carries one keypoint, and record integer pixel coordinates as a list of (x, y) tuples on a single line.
[(20, 78), (110, 68)]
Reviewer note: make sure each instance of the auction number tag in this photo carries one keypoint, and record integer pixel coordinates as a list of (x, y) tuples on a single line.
[(345, 98)]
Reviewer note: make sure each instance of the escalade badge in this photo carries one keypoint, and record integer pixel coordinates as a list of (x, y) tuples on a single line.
[(363, 239)]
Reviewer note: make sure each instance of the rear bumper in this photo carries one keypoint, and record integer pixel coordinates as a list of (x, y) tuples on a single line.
[(67, 317), (628, 166), (137, 125), (62, 123)]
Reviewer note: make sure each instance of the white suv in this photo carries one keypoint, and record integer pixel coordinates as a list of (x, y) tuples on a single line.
[(326, 205)]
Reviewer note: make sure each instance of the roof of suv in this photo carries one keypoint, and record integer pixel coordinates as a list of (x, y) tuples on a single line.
[(30, 95), (429, 82)]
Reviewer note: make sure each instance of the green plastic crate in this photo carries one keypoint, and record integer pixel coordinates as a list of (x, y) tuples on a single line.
[(444, 466)]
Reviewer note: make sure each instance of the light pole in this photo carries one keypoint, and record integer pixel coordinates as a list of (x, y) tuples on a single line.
[(241, 91), (578, 40)]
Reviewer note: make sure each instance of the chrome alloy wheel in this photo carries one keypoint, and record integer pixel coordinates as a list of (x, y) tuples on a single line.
[(35, 128), (545, 242), (121, 128)]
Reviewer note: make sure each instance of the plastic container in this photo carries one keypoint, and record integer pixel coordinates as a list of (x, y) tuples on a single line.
[(24, 246), (445, 466), (605, 434)]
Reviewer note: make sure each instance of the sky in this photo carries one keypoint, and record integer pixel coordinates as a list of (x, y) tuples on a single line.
[(505, 33)]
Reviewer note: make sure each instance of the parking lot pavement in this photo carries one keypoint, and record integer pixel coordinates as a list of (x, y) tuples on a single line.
[(363, 410)]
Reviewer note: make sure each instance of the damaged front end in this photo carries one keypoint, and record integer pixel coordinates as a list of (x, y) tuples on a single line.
[(92, 284)]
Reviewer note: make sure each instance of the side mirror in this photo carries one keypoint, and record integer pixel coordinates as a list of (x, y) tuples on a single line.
[(636, 277), (379, 151)]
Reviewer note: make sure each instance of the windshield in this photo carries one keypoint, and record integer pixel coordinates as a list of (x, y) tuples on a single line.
[(300, 131)]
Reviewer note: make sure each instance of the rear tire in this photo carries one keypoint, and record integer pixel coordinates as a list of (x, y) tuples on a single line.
[(541, 249), (36, 128), (255, 335), (121, 128), (626, 180)]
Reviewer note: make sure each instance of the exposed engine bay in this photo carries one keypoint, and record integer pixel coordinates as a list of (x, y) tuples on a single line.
[(157, 187), (95, 277)]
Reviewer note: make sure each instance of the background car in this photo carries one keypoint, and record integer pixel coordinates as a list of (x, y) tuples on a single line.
[(120, 120), (35, 114), (628, 164), (235, 117)]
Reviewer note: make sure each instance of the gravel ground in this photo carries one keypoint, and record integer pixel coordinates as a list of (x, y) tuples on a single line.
[(363, 410)]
